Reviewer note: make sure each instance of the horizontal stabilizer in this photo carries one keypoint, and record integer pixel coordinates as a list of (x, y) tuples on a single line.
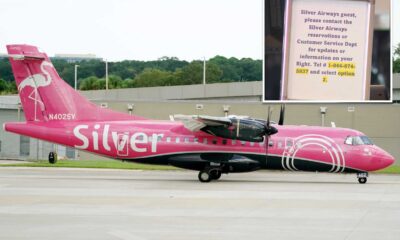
[(26, 57)]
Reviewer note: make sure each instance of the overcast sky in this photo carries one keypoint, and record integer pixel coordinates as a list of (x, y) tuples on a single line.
[(136, 29)]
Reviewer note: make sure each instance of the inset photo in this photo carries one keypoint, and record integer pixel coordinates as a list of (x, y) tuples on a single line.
[(396, 50), (327, 51)]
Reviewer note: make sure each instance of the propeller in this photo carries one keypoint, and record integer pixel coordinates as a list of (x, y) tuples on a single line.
[(282, 116), (269, 130)]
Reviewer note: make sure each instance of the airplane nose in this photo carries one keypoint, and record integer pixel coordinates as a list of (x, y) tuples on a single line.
[(386, 160), (381, 159), (389, 160)]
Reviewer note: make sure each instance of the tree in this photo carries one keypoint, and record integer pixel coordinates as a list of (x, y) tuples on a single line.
[(7, 87), (154, 77), (396, 59), (230, 71), (193, 73), (165, 71), (3, 85), (88, 83), (5, 70)]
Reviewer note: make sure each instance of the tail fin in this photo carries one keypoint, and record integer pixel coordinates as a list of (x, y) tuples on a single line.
[(45, 96)]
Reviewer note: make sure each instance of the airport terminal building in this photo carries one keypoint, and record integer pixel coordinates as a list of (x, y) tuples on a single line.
[(381, 122)]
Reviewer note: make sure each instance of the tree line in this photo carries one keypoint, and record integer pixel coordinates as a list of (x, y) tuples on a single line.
[(166, 71), (396, 59)]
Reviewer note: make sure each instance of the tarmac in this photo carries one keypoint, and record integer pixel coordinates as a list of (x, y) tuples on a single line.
[(55, 203)]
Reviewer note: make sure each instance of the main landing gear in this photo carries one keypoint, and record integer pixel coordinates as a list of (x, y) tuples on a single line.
[(209, 174), (362, 177), (52, 157)]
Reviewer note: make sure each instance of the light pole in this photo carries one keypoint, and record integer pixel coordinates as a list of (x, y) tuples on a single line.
[(204, 71), (106, 74), (76, 76)]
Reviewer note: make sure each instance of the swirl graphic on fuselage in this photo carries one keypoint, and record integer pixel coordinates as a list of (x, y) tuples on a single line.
[(328, 146)]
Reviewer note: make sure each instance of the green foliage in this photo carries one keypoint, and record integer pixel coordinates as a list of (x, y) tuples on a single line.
[(396, 66), (5, 70), (394, 169), (154, 77), (233, 69), (396, 59), (166, 71), (110, 164), (7, 87)]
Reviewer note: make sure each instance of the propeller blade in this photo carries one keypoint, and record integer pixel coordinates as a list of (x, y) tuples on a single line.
[(266, 146), (282, 115), (269, 130)]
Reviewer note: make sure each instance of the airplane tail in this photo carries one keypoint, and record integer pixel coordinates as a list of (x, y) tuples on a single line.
[(45, 96)]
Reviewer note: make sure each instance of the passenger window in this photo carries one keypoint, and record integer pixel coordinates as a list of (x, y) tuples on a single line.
[(224, 141), (214, 141), (196, 140), (289, 143), (186, 140), (177, 140), (168, 139), (233, 142), (205, 140)]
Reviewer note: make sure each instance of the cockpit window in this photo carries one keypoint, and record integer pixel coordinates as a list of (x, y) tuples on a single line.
[(366, 140), (358, 140)]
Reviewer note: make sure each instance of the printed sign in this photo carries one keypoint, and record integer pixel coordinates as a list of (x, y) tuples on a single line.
[(328, 50)]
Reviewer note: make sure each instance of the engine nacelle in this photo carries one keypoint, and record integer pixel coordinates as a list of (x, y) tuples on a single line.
[(241, 129), (234, 165)]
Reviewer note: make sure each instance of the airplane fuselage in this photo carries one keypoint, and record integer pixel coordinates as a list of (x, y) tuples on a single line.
[(294, 148)]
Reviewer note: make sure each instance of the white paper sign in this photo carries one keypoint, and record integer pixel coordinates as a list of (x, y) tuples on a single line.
[(328, 50)]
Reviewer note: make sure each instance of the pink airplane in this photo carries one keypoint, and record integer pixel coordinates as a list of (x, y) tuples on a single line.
[(56, 113)]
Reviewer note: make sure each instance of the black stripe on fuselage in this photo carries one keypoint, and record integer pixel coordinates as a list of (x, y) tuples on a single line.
[(273, 162)]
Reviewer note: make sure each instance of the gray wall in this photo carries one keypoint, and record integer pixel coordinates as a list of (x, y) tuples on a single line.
[(228, 91), (9, 141)]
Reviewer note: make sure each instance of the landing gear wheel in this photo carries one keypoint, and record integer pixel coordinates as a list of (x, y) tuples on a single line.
[(362, 180), (362, 177), (204, 176), (52, 157), (215, 175)]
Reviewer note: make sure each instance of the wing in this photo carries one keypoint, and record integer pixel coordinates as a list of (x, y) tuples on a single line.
[(245, 129), (195, 123)]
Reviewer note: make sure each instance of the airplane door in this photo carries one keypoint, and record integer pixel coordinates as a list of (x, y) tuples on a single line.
[(122, 144)]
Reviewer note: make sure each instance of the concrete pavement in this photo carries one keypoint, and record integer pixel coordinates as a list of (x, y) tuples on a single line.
[(53, 203)]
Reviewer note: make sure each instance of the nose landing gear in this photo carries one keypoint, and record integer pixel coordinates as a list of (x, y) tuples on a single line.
[(362, 177)]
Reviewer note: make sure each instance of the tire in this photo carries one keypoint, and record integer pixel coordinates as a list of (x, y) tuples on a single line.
[(215, 175), (52, 157), (204, 176), (362, 180)]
